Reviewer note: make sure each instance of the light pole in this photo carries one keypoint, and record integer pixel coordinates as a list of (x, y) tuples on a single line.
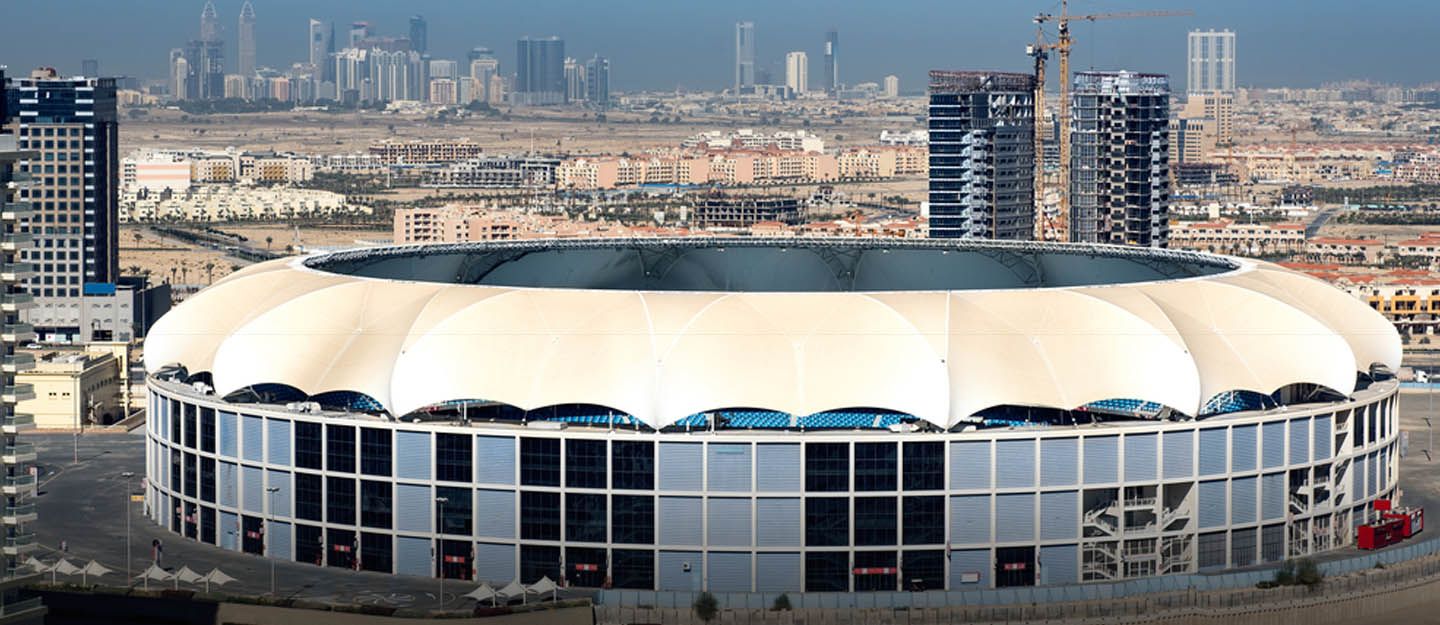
[(440, 544), (127, 475), (269, 525)]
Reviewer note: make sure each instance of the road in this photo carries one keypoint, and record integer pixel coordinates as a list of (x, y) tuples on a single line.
[(1318, 222), (83, 504)]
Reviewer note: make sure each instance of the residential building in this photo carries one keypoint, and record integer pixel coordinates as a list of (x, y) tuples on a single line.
[(216, 203), (832, 61), (494, 172), (19, 474), (209, 23), (539, 71), (204, 71), (246, 37), (1120, 158), (1192, 140), (320, 48), (597, 81), (72, 126), (444, 91), (797, 72), (483, 67), (420, 35), (1344, 251), (1241, 239), (747, 138), (155, 173), (717, 210), (1211, 66), (426, 151), (744, 55), (1217, 106), (575, 89), (892, 86), (982, 155), (444, 68), (90, 68)]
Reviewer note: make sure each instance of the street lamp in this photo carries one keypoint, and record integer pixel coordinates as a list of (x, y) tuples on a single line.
[(440, 544), (127, 475), (269, 525)]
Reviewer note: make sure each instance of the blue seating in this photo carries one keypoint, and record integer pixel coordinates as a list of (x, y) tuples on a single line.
[(1235, 401), (756, 419), (1135, 407), (596, 419)]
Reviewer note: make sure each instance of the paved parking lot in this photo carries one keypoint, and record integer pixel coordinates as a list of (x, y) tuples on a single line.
[(85, 505)]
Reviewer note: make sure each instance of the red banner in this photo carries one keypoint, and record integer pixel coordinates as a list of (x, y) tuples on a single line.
[(342, 548), (876, 570), (455, 559), (1015, 566), (587, 567), (252, 534)]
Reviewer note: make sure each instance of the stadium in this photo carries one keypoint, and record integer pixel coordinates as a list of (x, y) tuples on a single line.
[(818, 415)]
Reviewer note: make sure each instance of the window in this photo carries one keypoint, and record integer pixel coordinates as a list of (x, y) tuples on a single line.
[(875, 466), (376, 552), (539, 516), (455, 511), (633, 519), (827, 571), (375, 504), (924, 466), (585, 463), (540, 461), (177, 471), (867, 562), (538, 561), (827, 521), (190, 426), (452, 458), (340, 448), (307, 497), (1211, 553), (192, 471), (340, 500), (585, 518), (875, 521), (924, 520), (632, 568), (207, 429), (632, 465), (923, 570), (375, 451), (207, 479), (827, 467)]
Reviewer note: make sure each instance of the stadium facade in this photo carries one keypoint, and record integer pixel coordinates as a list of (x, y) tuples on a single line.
[(771, 415)]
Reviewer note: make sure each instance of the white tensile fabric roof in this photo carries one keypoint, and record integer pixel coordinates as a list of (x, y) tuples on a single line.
[(661, 356)]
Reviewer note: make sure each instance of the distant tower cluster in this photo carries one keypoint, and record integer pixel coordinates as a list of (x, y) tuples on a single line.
[(797, 71), (1120, 171), (419, 34), (540, 71), (209, 23), (744, 55)]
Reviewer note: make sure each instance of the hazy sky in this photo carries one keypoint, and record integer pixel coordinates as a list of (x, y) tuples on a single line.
[(664, 44)]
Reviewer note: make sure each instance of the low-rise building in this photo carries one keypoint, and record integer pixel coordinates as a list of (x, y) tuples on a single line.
[(1243, 239), (493, 172), (426, 151), (1344, 251), (75, 388), (230, 203)]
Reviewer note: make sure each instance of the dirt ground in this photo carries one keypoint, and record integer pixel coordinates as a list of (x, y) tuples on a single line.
[(170, 260)]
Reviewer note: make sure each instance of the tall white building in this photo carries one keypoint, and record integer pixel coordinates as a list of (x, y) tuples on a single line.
[(247, 40), (744, 55), (1211, 66), (892, 86), (797, 71)]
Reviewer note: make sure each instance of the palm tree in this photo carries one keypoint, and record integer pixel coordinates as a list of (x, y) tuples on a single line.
[(172, 274), (209, 270), (268, 240)]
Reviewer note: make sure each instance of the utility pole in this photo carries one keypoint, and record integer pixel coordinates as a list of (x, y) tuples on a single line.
[(127, 475), (440, 546), (268, 526)]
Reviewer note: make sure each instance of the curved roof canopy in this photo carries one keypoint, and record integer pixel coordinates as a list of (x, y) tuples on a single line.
[(412, 327)]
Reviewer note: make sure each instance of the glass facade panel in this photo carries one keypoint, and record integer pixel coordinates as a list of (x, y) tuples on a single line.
[(340, 448), (632, 465), (207, 429), (454, 507), (585, 518), (307, 445), (925, 466), (585, 463), (827, 571), (308, 497), (376, 504), (875, 522), (633, 519), (827, 521), (875, 466), (540, 461), (375, 451), (632, 568), (340, 500), (827, 467), (924, 520), (539, 515)]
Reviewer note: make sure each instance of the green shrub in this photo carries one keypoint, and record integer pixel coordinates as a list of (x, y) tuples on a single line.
[(706, 607), (1285, 575), (782, 603), (1307, 572)]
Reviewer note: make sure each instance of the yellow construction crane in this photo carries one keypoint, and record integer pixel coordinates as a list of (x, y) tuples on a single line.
[(1058, 229)]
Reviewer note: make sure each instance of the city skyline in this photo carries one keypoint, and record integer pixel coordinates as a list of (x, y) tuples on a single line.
[(697, 53)]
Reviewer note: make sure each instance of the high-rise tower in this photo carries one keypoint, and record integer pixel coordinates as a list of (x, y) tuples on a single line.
[(797, 71), (419, 34), (744, 55), (209, 23), (1120, 158), (540, 71), (982, 155), (15, 462), (246, 37), (597, 76), (1211, 66), (832, 63), (71, 124)]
